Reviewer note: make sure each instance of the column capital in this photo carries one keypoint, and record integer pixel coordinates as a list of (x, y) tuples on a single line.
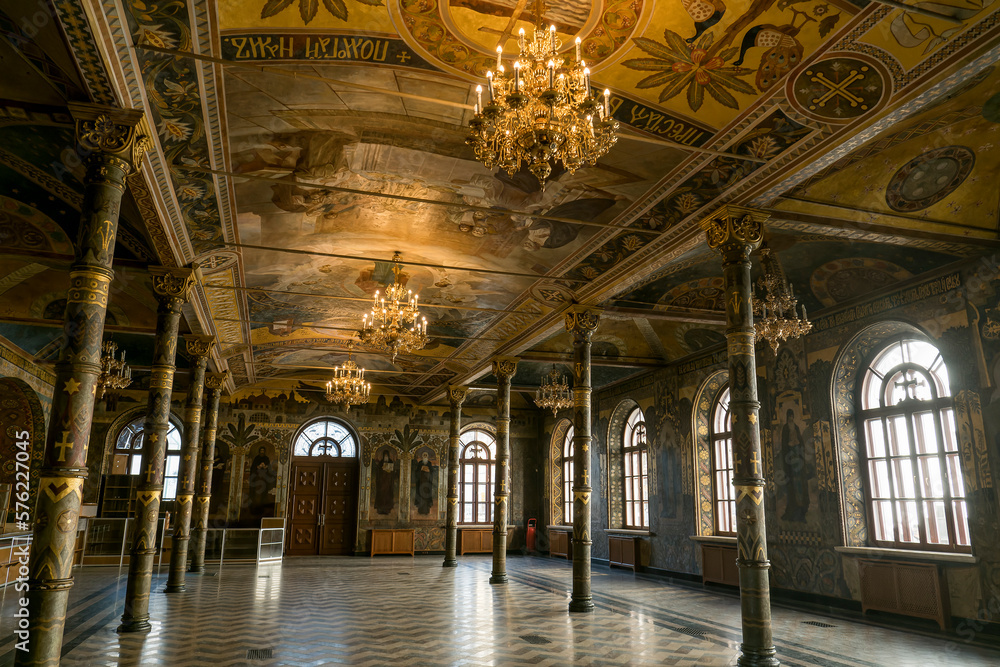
[(735, 226), (214, 381), (115, 132), (457, 395), (197, 346), (172, 285), (505, 367), (583, 320)]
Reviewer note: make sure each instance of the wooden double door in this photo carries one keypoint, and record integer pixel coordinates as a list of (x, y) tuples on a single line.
[(323, 509)]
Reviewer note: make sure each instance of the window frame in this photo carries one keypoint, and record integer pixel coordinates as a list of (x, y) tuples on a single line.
[(723, 494), (568, 466), (172, 454), (942, 410), (470, 439), (635, 450), (327, 439)]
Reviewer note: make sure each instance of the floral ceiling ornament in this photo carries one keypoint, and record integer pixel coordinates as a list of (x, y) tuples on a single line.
[(309, 8)]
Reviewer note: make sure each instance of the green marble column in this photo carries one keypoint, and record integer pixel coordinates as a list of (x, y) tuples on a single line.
[(199, 348), (456, 396), (581, 323), (112, 143), (504, 369), (735, 232), (171, 287), (214, 383)]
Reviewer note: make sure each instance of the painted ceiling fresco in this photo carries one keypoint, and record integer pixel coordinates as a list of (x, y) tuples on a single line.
[(300, 143)]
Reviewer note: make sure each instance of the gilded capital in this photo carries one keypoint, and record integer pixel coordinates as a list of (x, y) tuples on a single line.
[(735, 225), (456, 395), (110, 131), (198, 346), (215, 381), (582, 320), (172, 285), (504, 368)]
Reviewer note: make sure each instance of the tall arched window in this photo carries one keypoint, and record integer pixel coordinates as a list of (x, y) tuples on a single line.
[(636, 472), (129, 443), (567, 478), (476, 471), (722, 465), (326, 437), (914, 486)]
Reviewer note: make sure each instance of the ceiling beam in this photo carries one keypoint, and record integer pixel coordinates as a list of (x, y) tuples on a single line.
[(684, 315), (622, 362)]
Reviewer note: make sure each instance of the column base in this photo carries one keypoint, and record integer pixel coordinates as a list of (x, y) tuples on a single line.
[(174, 588), (135, 625), (498, 579), (450, 563), (197, 569), (581, 605), (758, 657)]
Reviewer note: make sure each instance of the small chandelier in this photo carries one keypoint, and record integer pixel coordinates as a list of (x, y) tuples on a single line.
[(394, 325), (115, 373), (542, 111), (554, 392), (775, 319), (348, 385)]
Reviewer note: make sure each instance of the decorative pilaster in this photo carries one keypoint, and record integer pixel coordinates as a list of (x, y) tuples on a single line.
[(736, 232), (112, 143), (171, 287), (214, 382), (504, 369), (198, 347), (456, 396), (581, 323)]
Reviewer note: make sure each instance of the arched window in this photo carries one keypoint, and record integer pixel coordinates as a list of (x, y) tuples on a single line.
[(326, 437), (567, 478), (129, 443), (722, 465), (476, 471), (914, 486), (636, 469)]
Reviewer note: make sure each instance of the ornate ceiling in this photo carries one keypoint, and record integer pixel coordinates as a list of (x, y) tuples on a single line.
[(300, 143)]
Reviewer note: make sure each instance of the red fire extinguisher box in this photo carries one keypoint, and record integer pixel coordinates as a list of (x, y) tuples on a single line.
[(530, 537)]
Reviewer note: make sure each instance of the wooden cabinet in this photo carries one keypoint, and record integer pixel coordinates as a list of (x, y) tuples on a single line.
[(118, 496), (623, 551), (478, 540), (718, 564), (561, 543), (392, 541), (912, 589)]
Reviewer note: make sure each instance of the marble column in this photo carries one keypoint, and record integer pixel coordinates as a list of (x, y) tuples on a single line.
[(198, 347), (504, 369), (214, 383), (456, 396), (735, 232), (112, 143), (171, 287), (581, 323)]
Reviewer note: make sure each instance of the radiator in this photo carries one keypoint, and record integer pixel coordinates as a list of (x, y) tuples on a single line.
[(911, 589)]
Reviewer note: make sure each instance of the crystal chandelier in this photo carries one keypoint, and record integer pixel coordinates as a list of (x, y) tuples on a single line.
[(775, 318), (348, 385), (394, 325), (115, 373), (541, 111), (554, 392)]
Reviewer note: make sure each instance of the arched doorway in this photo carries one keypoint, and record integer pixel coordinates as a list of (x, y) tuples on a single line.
[(323, 493)]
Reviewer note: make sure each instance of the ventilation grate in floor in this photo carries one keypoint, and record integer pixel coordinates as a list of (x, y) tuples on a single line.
[(692, 632), (536, 639), (260, 654), (819, 624)]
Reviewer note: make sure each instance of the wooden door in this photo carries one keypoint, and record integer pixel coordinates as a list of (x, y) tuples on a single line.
[(304, 508), (339, 521)]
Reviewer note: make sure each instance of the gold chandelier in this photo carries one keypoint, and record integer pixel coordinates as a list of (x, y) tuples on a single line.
[(775, 319), (554, 392), (394, 325), (115, 373), (541, 111), (348, 385)]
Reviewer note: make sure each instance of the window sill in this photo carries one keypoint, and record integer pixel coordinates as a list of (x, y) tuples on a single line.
[(629, 532), (564, 528), (906, 554), (714, 539), (475, 526)]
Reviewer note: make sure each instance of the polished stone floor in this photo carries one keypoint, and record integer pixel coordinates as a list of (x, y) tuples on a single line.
[(411, 611)]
